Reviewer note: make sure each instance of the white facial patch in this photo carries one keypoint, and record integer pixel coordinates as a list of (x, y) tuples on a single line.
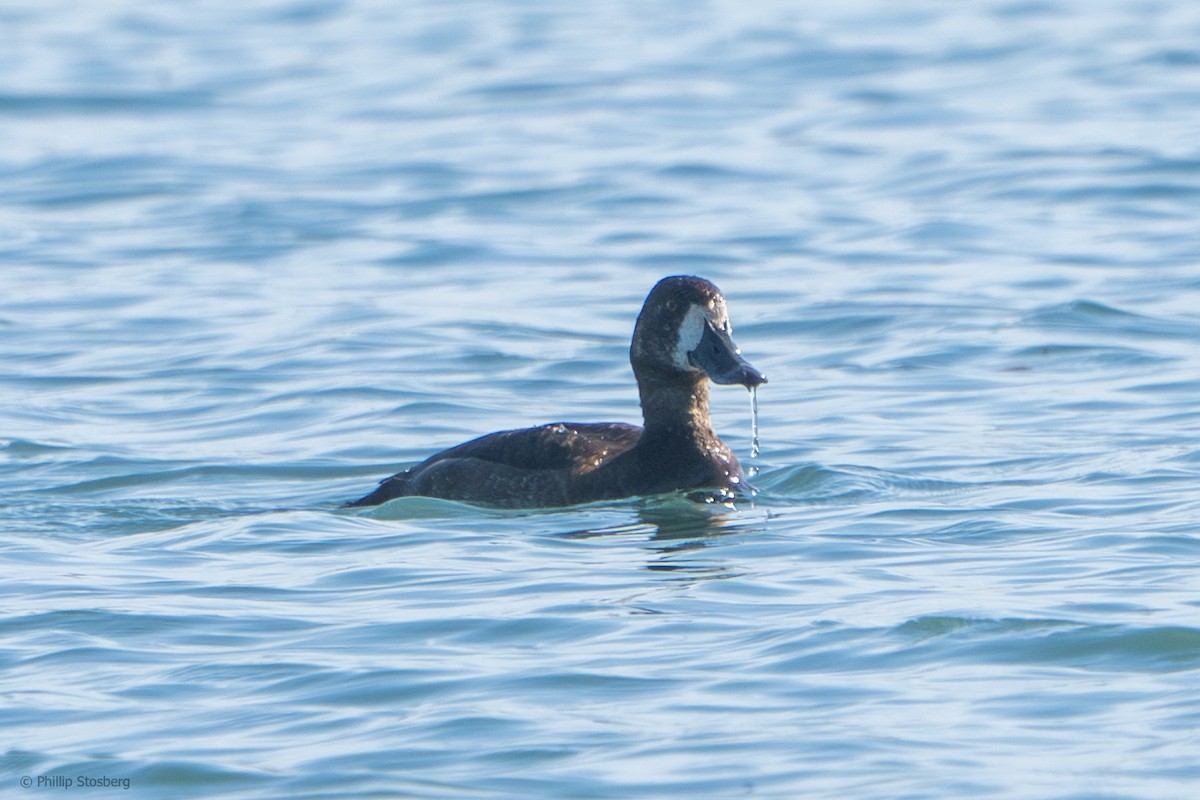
[(692, 329)]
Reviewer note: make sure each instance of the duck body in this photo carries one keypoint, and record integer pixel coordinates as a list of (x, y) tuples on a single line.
[(562, 464), (680, 342)]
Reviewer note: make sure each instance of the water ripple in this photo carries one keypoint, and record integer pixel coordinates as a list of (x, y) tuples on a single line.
[(256, 259)]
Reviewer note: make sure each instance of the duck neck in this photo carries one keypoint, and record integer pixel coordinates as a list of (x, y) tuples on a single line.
[(675, 410)]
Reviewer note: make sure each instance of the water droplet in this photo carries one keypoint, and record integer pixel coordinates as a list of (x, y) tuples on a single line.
[(754, 422)]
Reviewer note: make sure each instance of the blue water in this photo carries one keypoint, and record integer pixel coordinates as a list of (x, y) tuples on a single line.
[(256, 256)]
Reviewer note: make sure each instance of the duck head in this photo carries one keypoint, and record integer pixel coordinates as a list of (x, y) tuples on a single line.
[(683, 333)]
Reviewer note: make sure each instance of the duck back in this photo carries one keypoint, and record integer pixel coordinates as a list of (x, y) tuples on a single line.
[(513, 469)]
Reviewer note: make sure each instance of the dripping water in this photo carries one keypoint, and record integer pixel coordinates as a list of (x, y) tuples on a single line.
[(753, 428)]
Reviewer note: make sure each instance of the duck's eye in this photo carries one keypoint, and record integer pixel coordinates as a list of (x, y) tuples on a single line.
[(672, 305)]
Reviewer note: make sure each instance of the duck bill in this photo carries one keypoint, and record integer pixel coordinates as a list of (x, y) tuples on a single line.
[(721, 360)]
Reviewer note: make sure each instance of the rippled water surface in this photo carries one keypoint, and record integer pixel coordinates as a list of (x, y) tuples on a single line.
[(256, 256)]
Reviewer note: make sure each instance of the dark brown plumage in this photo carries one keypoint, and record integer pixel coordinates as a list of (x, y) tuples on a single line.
[(680, 342)]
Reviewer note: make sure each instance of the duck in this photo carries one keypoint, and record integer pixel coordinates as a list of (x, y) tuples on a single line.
[(682, 340)]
